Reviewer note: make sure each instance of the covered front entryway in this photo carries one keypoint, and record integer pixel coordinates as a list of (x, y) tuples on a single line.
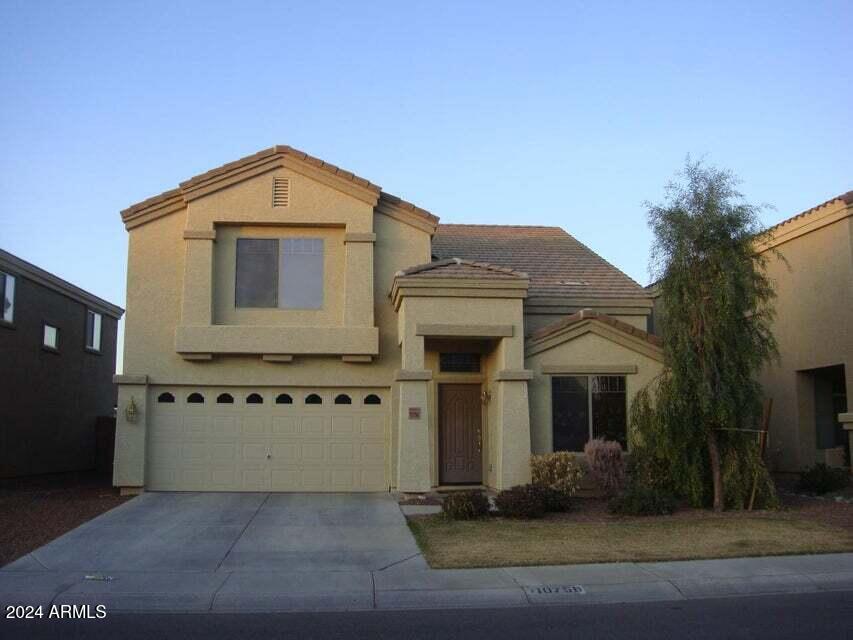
[(461, 393), (268, 439), (460, 436)]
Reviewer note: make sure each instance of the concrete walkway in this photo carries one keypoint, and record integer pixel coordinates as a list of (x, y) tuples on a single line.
[(289, 552)]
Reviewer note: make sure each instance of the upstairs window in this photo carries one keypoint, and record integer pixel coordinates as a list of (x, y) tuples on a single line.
[(7, 295), (93, 330), (50, 337), (285, 273)]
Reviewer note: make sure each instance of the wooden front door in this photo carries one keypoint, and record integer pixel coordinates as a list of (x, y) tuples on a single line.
[(460, 441)]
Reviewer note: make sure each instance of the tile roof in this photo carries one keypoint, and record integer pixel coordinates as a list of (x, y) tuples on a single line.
[(265, 156), (589, 314), (458, 268), (846, 198), (558, 265)]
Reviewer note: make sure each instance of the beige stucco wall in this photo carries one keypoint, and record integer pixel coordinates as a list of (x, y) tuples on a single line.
[(814, 328), (588, 350), (157, 261)]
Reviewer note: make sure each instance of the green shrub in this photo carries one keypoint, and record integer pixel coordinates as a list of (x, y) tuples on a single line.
[(559, 470), (465, 505), (555, 501), (823, 479), (522, 501), (742, 470), (641, 500), (606, 462)]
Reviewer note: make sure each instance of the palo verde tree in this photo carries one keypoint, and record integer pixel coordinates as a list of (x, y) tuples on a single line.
[(716, 312)]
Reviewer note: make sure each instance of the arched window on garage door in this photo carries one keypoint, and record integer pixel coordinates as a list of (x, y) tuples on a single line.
[(195, 398), (343, 398), (372, 399), (284, 398), (254, 398), (166, 397), (225, 398), (313, 398)]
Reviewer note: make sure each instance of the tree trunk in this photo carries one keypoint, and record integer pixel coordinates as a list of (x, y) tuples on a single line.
[(714, 453)]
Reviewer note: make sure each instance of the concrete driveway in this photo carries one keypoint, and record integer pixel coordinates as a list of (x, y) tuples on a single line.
[(235, 532), (183, 551)]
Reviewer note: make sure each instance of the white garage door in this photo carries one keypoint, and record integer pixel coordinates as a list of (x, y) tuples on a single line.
[(237, 439)]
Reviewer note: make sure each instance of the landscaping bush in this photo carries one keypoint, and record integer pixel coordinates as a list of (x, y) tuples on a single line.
[(559, 470), (641, 500), (522, 501), (823, 479), (465, 505), (555, 501), (606, 462)]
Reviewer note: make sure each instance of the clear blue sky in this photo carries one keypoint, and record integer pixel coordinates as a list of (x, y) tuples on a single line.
[(569, 114)]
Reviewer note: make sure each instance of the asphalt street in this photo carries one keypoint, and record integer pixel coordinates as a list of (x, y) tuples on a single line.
[(810, 615)]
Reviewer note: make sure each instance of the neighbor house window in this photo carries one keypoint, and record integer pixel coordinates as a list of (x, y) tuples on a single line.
[(50, 337), (7, 295), (93, 330), (586, 407), (459, 362), (284, 273)]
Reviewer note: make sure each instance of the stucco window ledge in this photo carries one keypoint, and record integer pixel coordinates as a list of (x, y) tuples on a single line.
[(264, 340), (409, 375), (127, 378), (508, 375), (589, 369), (847, 420)]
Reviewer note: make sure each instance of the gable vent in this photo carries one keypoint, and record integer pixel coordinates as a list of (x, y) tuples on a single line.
[(280, 192)]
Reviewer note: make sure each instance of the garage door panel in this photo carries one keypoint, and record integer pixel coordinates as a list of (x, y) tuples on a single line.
[(313, 425), (267, 447), (342, 425), (225, 426), (284, 426), (372, 426)]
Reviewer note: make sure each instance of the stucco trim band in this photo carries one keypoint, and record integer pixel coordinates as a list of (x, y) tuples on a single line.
[(357, 359), (404, 375), (128, 378), (588, 369), (260, 340), (199, 234), (508, 375), (359, 237), (276, 357), (465, 330), (846, 419)]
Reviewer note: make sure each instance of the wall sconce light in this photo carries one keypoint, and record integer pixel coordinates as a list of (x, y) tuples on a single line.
[(486, 396), (130, 411)]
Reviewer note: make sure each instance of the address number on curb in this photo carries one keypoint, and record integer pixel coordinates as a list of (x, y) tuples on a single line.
[(555, 589)]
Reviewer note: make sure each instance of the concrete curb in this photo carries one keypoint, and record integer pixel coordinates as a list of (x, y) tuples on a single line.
[(410, 584)]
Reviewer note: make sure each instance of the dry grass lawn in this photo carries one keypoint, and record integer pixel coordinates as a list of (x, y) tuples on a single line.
[(497, 542)]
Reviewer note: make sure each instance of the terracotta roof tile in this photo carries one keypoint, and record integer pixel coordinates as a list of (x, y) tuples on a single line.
[(846, 198), (558, 265), (457, 268), (589, 314)]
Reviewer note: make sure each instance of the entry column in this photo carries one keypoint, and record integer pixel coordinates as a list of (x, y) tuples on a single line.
[(413, 420)]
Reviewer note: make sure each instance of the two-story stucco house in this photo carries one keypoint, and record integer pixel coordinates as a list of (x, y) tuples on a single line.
[(293, 327)]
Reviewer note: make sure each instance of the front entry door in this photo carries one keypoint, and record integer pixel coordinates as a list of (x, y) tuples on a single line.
[(460, 441)]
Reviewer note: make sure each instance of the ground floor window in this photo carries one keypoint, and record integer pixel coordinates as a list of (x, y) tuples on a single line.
[(586, 407)]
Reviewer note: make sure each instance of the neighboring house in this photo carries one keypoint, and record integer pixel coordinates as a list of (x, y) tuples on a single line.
[(810, 260), (59, 356), (292, 327)]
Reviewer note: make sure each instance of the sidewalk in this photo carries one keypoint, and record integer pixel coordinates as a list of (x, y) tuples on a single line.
[(410, 584)]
